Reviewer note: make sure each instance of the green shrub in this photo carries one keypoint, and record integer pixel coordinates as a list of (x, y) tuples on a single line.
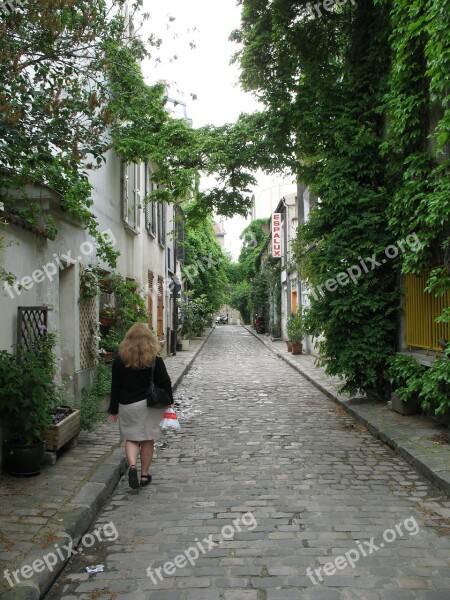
[(405, 374), (25, 394), (430, 384), (91, 410), (295, 328), (435, 391)]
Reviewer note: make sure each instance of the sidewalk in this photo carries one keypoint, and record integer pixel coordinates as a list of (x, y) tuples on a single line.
[(39, 513), (418, 439)]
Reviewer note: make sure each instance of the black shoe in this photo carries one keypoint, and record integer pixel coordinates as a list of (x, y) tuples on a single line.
[(147, 478), (133, 478)]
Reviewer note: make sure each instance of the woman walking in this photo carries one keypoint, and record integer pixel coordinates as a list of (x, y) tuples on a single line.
[(131, 375)]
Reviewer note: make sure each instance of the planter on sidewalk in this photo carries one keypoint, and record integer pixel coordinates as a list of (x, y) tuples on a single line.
[(289, 346), (58, 435), (410, 407), (23, 459), (297, 349)]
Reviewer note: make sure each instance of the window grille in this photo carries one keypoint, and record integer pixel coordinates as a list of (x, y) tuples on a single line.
[(30, 323)]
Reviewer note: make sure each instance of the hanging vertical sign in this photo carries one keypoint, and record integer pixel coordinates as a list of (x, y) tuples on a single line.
[(276, 235)]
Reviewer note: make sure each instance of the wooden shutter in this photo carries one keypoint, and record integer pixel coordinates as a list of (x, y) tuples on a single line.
[(137, 196), (160, 315), (124, 187), (150, 298)]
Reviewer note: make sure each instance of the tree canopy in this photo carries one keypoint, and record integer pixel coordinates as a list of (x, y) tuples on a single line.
[(72, 88)]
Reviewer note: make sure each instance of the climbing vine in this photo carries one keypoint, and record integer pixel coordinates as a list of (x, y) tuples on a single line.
[(358, 100)]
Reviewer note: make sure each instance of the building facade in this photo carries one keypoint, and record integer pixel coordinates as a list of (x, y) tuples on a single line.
[(48, 272)]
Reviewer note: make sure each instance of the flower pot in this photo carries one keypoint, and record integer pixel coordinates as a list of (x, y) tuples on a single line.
[(107, 321), (22, 459), (289, 346), (108, 356), (411, 407), (56, 436), (184, 344), (297, 348), (106, 286)]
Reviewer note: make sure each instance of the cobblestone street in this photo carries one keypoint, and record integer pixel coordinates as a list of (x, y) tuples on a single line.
[(261, 496)]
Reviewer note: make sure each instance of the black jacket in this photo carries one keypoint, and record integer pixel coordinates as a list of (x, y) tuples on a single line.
[(130, 385)]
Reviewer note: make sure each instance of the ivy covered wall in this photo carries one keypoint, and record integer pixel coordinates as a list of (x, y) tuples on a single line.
[(357, 106)]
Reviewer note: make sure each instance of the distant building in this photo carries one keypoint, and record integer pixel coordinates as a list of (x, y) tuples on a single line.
[(266, 200), (220, 233)]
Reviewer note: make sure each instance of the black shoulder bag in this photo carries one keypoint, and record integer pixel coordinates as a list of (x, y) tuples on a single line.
[(156, 396)]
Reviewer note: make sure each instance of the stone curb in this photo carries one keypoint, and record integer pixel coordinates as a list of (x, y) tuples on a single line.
[(388, 436), (77, 516)]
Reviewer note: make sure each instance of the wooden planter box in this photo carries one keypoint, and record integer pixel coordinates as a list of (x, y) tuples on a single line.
[(56, 436), (412, 407)]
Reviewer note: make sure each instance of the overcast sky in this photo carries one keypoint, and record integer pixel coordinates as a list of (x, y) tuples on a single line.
[(204, 71)]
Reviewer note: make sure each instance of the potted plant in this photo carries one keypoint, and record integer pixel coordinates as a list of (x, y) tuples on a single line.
[(109, 344), (405, 374), (295, 331), (289, 346), (187, 319), (108, 315), (26, 388)]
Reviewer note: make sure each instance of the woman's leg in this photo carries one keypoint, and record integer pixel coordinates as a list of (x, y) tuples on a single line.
[(132, 452), (146, 455)]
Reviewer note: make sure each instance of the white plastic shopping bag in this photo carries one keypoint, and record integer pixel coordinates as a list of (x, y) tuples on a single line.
[(170, 421)]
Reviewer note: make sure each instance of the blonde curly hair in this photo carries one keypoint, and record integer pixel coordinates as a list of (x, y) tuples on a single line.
[(139, 347)]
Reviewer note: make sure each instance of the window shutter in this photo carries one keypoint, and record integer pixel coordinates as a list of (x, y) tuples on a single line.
[(124, 193), (137, 196)]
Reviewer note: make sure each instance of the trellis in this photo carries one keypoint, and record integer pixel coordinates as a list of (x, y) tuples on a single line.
[(31, 322), (88, 330)]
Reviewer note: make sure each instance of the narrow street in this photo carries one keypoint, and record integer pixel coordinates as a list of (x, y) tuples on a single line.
[(270, 492)]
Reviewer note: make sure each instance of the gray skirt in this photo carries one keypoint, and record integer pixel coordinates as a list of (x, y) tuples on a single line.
[(138, 423)]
